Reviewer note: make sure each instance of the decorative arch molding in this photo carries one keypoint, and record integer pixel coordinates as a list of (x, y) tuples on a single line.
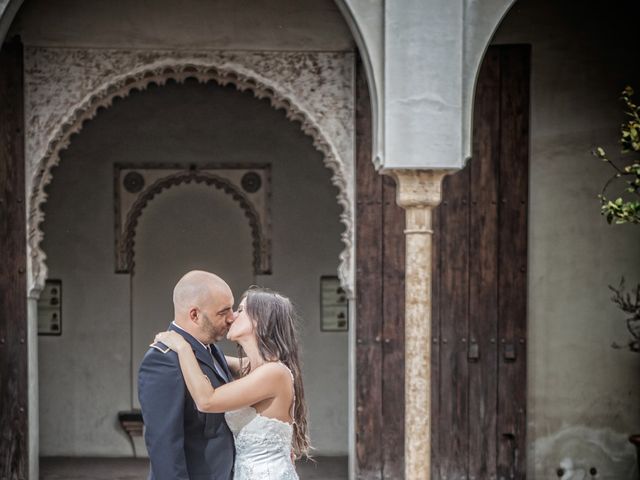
[(65, 88), (125, 242)]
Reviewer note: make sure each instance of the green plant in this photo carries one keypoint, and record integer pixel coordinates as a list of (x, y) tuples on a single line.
[(627, 210), (624, 210)]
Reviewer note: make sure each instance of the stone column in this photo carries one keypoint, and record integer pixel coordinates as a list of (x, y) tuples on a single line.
[(418, 192)]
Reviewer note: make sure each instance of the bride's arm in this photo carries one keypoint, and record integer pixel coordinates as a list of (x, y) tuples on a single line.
[(265, 382), (234, 365)]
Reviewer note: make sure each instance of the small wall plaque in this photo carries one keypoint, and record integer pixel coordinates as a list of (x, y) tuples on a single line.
[(50, 309), (334, 306)]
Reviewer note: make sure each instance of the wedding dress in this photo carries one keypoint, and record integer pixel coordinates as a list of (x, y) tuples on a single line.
[(263, 445)]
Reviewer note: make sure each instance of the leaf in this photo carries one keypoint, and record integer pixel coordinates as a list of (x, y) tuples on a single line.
[(619, 211)]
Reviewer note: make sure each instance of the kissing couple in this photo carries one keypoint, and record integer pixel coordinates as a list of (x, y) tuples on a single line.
[(208, 416)]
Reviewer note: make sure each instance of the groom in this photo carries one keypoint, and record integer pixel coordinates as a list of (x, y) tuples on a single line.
[(183, 443)]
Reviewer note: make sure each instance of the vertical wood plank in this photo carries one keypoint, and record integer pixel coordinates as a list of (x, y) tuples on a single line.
[(393, 275), (13, 290), (488, 439), (512, 259), (369, 287), (454, 294), (483, 270)]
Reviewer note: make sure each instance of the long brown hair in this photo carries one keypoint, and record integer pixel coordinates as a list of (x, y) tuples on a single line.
[(277, 335)]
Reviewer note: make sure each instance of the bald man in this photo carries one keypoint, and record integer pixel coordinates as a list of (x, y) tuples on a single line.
[(183, 443)]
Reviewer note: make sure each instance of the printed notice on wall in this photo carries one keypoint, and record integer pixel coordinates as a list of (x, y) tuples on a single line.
[(50, 309), (334, 313)]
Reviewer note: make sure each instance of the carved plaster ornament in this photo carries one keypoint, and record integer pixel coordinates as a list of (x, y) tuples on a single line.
[(136, 185), (66, 87)]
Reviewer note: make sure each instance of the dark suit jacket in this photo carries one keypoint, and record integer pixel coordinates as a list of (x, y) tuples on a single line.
[(183, 443)]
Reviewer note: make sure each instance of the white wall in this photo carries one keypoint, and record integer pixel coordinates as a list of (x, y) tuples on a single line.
[(583, 395), (85, 375)]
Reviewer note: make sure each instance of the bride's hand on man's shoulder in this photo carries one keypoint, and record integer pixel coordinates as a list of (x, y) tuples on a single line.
[(171, 339)]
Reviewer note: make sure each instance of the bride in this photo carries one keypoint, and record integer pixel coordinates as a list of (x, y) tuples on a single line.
[(265, 407)]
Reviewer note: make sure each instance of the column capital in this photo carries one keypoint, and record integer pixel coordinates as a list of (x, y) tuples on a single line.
[(418, 188)]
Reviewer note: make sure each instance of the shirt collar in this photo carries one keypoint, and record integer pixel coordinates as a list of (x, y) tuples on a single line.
[(180, 328)]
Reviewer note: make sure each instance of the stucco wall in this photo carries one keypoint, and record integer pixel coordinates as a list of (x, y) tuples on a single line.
[(583, 395), (315, 25), (85, 375)]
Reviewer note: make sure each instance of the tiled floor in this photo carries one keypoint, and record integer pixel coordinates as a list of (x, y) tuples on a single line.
[(325, 468)]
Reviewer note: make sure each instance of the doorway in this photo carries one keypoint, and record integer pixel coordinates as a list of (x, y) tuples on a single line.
[(88, 374), (479, 367), (480, 285)]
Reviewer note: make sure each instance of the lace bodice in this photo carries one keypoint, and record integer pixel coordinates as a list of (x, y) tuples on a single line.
[(263, 446)]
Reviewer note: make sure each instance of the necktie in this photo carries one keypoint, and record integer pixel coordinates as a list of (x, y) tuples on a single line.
[(216, 363)]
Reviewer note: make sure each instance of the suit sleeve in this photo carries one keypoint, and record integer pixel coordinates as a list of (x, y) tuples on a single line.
[(161, 391)]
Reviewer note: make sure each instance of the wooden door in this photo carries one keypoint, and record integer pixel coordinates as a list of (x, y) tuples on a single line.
[(379, 310), (479, 311), (480, 286), (13, 294)]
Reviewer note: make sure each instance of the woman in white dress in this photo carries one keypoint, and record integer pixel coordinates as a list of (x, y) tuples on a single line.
[(265, 407)]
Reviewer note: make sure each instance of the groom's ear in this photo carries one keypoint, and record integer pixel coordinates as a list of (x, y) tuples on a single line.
[(193, 314)]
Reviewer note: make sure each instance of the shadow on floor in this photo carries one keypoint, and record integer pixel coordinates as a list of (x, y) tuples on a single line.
[(58, 468)]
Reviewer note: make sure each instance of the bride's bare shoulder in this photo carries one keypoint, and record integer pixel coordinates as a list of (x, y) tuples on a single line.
[(274, 371)]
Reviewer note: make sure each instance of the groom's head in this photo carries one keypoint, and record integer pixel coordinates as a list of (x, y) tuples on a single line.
[(203, 305)]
